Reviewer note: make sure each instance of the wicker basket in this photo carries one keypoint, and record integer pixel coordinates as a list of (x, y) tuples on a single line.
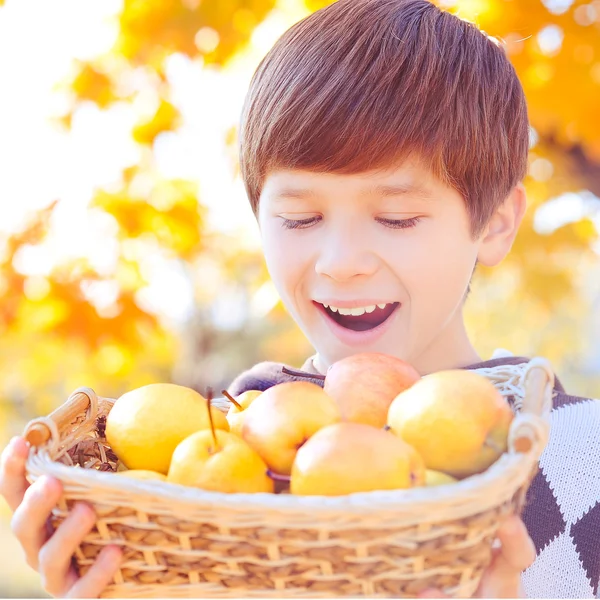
[(185, 542)]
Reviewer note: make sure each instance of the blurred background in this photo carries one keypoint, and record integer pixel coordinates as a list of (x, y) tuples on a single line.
[(129, 253)]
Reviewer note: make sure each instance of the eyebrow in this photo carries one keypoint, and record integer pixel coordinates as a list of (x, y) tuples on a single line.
[(384, 191), (409, 189), (294, 194)]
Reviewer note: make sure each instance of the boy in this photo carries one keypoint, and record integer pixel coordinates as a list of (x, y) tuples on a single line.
[(383, 143)]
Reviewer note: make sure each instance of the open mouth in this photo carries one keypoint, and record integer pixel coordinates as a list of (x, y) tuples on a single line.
[(361, 318)]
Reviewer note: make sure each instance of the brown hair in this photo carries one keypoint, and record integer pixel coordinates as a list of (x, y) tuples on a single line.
[(363, 84)]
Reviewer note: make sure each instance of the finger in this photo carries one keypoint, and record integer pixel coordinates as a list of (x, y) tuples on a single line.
[(29, 521), (13, 482), (517, 548), (101, 573), (55, 557), (502, 579)]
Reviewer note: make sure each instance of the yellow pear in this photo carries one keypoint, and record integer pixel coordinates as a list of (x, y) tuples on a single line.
[(456, 420), (223, 463), (283, 417), (237, 414), (142, 474), (433, 478), (145, 425), (345, 458)]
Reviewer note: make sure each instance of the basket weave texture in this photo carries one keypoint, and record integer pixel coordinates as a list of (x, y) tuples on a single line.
[(183, 542)]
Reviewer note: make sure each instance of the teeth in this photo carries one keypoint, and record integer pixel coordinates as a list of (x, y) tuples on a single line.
[(355, 312)]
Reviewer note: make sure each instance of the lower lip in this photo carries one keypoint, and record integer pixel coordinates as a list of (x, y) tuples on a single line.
[(357, 338)]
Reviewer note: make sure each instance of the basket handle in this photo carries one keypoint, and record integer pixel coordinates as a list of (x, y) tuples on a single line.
[(47, 429), (531, 426), (539, 383)]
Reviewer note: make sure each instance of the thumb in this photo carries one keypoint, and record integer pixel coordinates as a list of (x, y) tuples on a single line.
[(13, 482), (502, 579), (518, 549)]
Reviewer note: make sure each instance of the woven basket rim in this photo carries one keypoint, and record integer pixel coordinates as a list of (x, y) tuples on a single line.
[(511, 466)]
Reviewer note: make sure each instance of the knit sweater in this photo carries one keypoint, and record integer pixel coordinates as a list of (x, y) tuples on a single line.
[(562, 511)]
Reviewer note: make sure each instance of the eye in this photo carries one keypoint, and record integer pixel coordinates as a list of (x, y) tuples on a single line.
[(399, 223), (298, 223)]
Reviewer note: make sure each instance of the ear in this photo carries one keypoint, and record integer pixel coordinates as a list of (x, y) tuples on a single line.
[(499, 234)]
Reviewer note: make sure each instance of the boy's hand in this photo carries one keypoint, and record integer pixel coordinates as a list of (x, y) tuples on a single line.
[(502, 579), (49, 552)]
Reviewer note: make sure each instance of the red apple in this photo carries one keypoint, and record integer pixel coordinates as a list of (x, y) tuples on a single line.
[(364, 385), (283, 417)]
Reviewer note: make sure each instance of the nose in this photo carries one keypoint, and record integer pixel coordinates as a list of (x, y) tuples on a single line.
[(345, 254)]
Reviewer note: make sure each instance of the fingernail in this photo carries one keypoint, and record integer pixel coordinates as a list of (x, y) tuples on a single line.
[(112, 553), (512, 525), (85, 510), (39, 485), (18, 446), (49, 485), (43, 482)]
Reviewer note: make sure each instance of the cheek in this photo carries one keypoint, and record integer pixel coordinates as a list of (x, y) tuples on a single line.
[(438, 266), (287, 257)]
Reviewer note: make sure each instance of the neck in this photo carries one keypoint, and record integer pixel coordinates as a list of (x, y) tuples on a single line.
[(451, 350)]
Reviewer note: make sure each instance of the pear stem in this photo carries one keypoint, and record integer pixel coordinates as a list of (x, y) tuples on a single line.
[(277, 477), (490, 443), (295, 373), (209, 397), (232, 400)]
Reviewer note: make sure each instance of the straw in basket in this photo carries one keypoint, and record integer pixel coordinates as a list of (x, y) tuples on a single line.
[(184, 542)]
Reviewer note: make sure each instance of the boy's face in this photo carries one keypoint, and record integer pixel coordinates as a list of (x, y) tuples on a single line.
[(398, 238)]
